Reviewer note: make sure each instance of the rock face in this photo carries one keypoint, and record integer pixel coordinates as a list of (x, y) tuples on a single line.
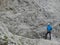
[(7, 38), (23, 22)]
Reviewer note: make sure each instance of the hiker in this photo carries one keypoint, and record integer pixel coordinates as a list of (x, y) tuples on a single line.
[(49, 28)]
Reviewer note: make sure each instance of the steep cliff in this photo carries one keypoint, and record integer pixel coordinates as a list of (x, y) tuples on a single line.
[(27, 19)]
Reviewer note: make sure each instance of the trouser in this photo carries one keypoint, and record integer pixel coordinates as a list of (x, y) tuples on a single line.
[(48, 32)]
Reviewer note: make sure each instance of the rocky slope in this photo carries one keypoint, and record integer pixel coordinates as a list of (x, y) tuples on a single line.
[(23, 22), (7, 38)]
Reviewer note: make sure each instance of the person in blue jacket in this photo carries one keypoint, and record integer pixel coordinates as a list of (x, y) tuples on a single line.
[(49, 29)]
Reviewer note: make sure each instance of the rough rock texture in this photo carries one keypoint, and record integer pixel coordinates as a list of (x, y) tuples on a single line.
[(23, 22), (7, 38)]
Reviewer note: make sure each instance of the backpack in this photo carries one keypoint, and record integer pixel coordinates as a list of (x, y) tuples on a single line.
[(49, 28)]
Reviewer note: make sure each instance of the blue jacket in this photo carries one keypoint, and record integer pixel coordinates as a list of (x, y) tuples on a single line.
[(49, 27)]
